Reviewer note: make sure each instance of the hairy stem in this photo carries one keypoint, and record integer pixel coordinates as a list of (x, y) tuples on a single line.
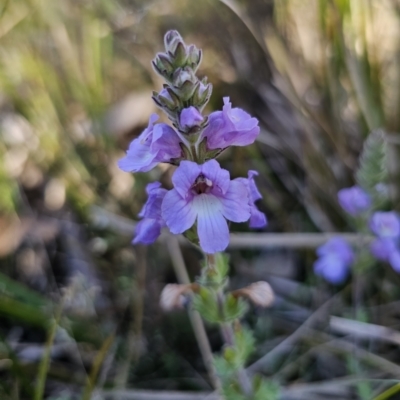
[(229, 336)]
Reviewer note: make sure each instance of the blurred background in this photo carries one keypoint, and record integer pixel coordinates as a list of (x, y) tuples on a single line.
[(79, 305)]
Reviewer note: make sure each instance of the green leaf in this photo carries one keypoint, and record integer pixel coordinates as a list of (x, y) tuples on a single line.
[(206, 304), (234, 308), (265, 390)]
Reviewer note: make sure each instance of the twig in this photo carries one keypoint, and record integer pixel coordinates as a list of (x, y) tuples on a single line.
[(125, 226), (364, 330), (195, 319)]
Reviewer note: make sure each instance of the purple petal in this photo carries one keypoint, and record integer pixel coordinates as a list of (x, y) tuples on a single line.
[(230, 127), (394, 260), (338, 247), (147, 231), (212, 227), (382, 248), (165, 143), (235, 202), (138, 158), (385, 224), (152, 207), (332, 268), (219, 177), (354, 200), (190, 117), (178, 214), (254, 192), (257, 219), (185, 176)]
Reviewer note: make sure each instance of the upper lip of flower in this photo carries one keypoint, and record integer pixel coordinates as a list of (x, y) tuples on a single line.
[(202, 185)]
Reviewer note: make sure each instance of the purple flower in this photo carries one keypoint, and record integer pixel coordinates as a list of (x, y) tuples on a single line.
[(149, 228), (157, 143), (335, 258), (385, 224), (386, 250), (257, 218), (394, 260), (381, 249), (230, 127), (354, 200), (190, 117), (332, 268), (206, 194), (338, 246)]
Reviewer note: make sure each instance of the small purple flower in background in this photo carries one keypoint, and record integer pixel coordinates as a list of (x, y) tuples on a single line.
[(335, 258), (257, 218), (230, 127), (386, 250), (354, 200), (207, 194), (157, 143), (381, 249), (385, 224), (149, 228), (190, 117)]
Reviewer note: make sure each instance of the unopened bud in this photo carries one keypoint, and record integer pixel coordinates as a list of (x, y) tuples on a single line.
[(171, 40), (190, 117), (173, 296), (259, 293)]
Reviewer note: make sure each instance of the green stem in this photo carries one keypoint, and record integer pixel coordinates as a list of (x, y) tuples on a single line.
[(45, 361), (229, 335)]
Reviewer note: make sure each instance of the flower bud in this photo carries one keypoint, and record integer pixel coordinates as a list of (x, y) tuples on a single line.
[(194, 56), (259, 293), (202, 94), (180, 55), (167, 99), (173, 296), (190, 117), (171, 41)]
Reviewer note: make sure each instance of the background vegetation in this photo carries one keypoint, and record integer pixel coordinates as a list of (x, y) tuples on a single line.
[(79, 313)]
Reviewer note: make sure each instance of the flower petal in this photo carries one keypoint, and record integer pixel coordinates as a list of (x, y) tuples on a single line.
[(184, 177), (257, 219), (212, 227), (332, 268), (235, 202), (230, 127), (138, 158), (220, 177), (165, 143), (178, 214), (147, 231)]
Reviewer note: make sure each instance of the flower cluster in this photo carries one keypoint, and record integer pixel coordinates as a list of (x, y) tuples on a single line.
[(336, 256), (204, 196)]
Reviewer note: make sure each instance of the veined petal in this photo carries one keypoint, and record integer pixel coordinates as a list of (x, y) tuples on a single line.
[(147, 231), (212, 227), (185, 176), (219, 177), (235, 202), (139, 158), (165, 143), (178, 214)]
